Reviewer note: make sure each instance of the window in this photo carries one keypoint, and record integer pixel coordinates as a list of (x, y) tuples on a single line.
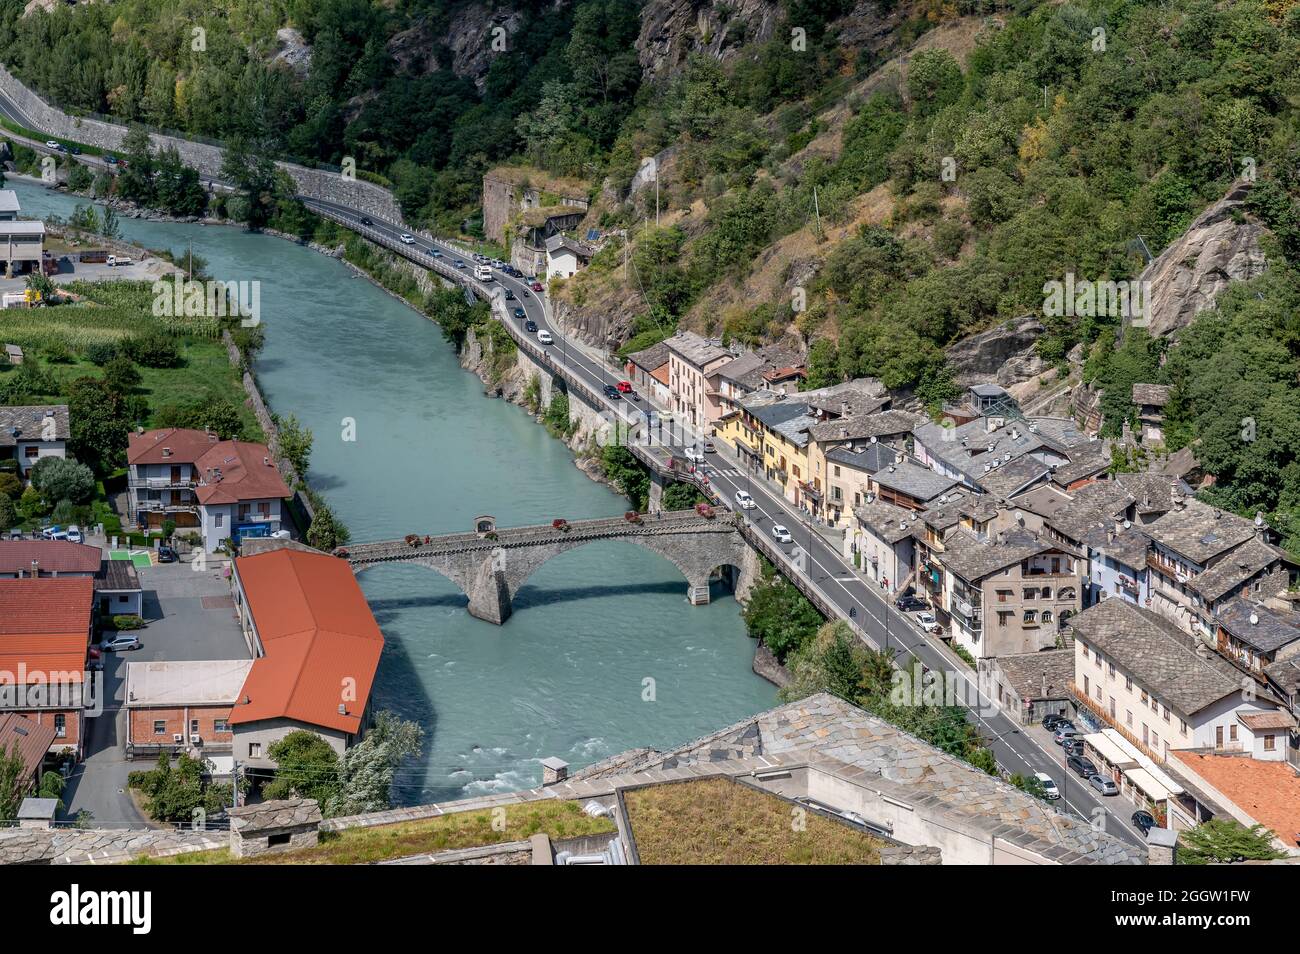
[(1031, 617), (282, 838), (216, 519), (31, 453), (254, 750), (1166, 713), (1086, 690), (220, 725), (1128, 718), (264, 508), (1111, 666), (1232, 732), (159, 727), (1144, 697), (194, 727), (60, 725), (1155, 738), (1128, 683), (1030, 592), (1047, 618), (1182, 727), (1047, 592), (1112, 707), (1269, 743), (837, 470)]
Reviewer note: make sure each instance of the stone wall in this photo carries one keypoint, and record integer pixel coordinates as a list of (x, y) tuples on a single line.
[(205, 157)]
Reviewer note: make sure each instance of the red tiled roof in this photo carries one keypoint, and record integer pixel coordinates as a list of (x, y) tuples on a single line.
[(186, 445), (61, 556), (45, 624), (29, 739), (1268, 792), (247, 473), (319, 636)]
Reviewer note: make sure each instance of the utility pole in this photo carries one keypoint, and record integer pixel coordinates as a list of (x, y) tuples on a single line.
[(656, 200), (234, 785), (817, 212)]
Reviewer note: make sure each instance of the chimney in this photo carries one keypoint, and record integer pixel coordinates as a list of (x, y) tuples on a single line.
[(554, 771), (1162, 846), (36, 569)]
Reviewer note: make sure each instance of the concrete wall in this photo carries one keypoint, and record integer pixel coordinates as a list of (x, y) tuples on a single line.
[(266, 731), (207, 159)]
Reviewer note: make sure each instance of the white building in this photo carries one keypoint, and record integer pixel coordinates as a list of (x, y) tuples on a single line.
[(22, 244), (29, 433), (565, 256)]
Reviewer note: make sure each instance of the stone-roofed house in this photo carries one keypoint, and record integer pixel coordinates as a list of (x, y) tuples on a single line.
[(882, 542), (1151, 400), (843, 756), (911, 485), (1028, 686), (1153, 494), (1161, 687), (1006, 593), (1202, 556), (269, 827), (849, 469), (1255, 635), (28, 433), (647, 370), (565, 256)]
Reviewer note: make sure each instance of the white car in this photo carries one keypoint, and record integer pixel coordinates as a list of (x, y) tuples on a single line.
[(927, 622), (545, 337), (120, 643), (781, 534), (75, 535), (744, 501), (1049, 787), (51, 144), (693, 455), (408, 239)]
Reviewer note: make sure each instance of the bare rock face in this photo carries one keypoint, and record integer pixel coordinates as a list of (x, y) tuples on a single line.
[(1003, 355), (1220, 247), (294, 51), (606, 325), (671, 30), (469, 39)]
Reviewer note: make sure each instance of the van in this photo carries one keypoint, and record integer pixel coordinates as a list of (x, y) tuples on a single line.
[(483, 273)]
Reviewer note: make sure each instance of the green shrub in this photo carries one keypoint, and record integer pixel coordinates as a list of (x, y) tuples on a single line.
[(127, 622)]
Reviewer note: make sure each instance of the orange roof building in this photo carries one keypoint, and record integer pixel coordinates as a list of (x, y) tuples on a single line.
[(316, 649), (1253, 791)]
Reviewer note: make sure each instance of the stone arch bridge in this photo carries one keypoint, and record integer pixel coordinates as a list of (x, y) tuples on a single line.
[(491, 564)]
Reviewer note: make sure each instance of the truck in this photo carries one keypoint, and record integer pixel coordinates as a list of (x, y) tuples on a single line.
[(114, 260), (483, 273), (93, 256)]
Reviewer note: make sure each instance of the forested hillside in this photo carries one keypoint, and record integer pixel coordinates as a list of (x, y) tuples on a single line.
[(869, 181)]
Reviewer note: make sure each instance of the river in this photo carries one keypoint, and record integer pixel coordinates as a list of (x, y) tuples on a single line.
[(602, 654)]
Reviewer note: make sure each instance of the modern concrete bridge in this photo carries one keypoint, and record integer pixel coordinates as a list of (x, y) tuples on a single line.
[(491, 564)]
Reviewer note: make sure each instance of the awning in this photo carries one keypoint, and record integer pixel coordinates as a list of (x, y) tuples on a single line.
[(1109, 751), (1149, 785), (1152, 773)]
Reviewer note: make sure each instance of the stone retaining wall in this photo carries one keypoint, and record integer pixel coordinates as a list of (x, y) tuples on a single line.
[(206, 158)]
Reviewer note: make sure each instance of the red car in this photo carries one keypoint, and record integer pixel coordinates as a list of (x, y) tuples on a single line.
[(536, 286), (625, 387)]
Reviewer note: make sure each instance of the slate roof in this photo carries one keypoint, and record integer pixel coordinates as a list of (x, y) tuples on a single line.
[(1041, 675), (1086, 461), (29, 423), (557, 242), (1285, 674), (655, 356), (746, 370), (920, 483), (1236, 568), (865, 426), (888, 522), (869, 751), (1200, 532), (694, 349), (1129, 547), (1009, 479), (870, 459), (1157, 653), (1271, 630), (274, 816), (973, 559), (1152, 492), (960, 503), (970, 458), (1044, 500), (1156, 395)]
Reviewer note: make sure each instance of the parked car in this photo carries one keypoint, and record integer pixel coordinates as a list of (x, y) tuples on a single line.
[(1081, 766), (75, 535), (927, 622), (1052, 720), (910, 604), (55, 532), (545, 337), (1049, 787), (781, 534), (1104, 785), (459, 263), (1064, 731), (1143, 821), (693, 455), (167, 555), (520, 313), (120, 644), (624, 386), (407, 238), (110, 158), (1072, 747), (536, 286), (709, 447), (610, 390), (75, 150), (530, 326), (744, 501)]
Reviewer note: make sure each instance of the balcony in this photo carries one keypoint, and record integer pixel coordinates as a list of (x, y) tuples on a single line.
[(159, 506), (161, 483)]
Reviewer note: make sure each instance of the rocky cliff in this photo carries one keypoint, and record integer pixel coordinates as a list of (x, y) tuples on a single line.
[(1005, 354), (1221, 246), (671, 30)]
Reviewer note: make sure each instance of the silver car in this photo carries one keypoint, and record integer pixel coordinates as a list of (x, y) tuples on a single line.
[(1104, 785)]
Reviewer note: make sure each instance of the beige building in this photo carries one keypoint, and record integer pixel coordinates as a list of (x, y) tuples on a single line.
[(693, 363)]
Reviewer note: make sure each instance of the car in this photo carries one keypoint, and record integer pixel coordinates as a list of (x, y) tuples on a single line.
[(1049, 787), (406, 237), (910, 604), (1104, 785), (744, 501), (781, 534), (510, 296), (1052, 719), (1143, 821), (52, 144), (624, 386), (1081, 766), (693, 455), (610, 390), (167, 555), (530, 326), (365, 220), (55, 532), (523, 293), (435, 253), (927, 622), (1072, 747), (75, 535), (520, 313), (536, 286), (75, 150), (709, 447), (110, 159), (459, 263), (120, 644), (545, 337), (1064, 731)]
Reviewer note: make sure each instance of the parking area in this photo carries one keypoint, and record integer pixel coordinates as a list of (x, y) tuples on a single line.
[(189, 614)]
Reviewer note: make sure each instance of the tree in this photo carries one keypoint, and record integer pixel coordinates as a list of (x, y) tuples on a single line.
[(295, 443), (326, 531), (10, 485), (100, 424), (61, 478), (214, 413), (8, 513), (1225, 840), (121, 374), (367, 768), (306, 767), (13, 783), (779, 615), (176, 793)]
